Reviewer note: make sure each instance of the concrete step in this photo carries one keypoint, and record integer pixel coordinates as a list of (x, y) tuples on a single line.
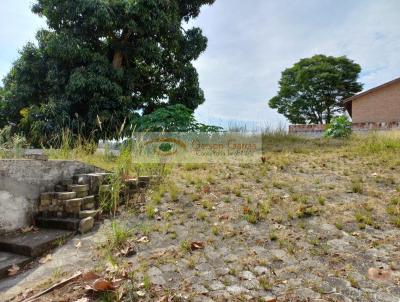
[(83, 225), (71, 224), (32, 244), (7, 260)]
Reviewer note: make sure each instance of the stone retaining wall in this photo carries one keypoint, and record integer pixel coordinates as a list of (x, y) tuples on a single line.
[(22, 181)]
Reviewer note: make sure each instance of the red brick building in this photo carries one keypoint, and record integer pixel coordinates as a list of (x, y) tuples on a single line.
[(377, 105), (375, 109)]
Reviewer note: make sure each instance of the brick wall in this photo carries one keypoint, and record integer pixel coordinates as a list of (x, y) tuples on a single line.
[(318, 130), (307, 130), (382, 105)]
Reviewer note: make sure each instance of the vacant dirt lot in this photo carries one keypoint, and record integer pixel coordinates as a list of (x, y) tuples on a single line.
[(314, 222)]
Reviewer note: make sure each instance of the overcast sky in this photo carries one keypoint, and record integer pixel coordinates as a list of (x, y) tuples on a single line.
[(252, 41)]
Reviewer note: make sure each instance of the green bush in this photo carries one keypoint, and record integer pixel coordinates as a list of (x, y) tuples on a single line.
[(12, 145), (340, 127)]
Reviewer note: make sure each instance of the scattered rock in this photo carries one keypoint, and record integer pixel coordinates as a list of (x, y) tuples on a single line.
[(199, 289), (261, 270), (247, 275), (237, 290), (217, 285), (86, 224)]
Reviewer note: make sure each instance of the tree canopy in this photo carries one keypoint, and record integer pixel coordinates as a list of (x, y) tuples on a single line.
[(174, 118), (101, 63), (313, 90)]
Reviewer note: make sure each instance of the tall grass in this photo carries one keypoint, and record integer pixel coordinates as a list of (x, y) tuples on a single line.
[(378, 142), (12, 145)]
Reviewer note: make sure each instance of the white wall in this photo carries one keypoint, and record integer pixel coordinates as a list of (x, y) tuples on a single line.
[(14, 211)]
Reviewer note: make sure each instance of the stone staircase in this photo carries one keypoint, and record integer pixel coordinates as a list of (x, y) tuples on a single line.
[(72, 207), (74, 203)]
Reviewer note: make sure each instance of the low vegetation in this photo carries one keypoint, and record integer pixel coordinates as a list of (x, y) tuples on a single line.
[(310, 217)]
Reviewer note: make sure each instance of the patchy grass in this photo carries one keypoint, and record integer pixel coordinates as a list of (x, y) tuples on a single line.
[(291, 224)]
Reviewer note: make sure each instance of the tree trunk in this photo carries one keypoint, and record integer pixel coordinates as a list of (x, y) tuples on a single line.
[(117, 60)]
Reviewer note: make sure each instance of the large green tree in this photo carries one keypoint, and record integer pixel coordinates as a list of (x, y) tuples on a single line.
[(313, 90), (100, 63)]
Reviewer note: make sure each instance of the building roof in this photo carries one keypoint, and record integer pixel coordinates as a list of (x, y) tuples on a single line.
[(371, 90)]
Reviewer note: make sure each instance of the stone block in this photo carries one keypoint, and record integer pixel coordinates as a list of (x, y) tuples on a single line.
[(88, 213), (143, 181), (73, 206), (81, 194), (86, 224), (46, 196), (65, 195), (45, 202), (88, 206), (78, 188), (88, 199), (131, 184)]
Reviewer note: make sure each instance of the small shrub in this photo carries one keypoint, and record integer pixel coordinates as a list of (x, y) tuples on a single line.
[(340, 127), (265, 283), (273, 236), (321, 200), (185, 246), (251, 217), (150, 211), (119, 234), (357, 187), (207, 204), (305, 211), (215, 230), (202, 215)]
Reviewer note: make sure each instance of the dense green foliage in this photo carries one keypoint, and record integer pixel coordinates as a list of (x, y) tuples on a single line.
[(313, 90), (102, 62), (174, 118), (340, 127)]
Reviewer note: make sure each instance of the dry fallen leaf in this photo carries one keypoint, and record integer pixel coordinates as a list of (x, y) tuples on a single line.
[(379, 274), (101, 285), (13, 270), (196, 245), (141, 293), (78, 244), (163, 299), (127, 250), (29, 229), (45, 259), (224, 217), (206, 189), (246, 209), (143, 239)]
